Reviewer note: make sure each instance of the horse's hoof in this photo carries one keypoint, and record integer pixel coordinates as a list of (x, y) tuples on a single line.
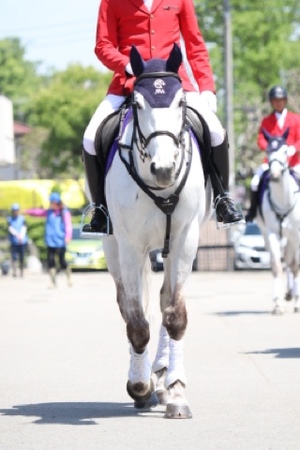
[(288, 296), (278, 311), (151, 402), (162, 396), (145, 401), (178, 411)]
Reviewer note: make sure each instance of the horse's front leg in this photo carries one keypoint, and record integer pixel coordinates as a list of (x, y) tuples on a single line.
[(175, 322), (292, 272), (140, 385), (277, 270)]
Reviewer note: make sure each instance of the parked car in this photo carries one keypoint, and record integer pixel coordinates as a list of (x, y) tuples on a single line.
[(83, 253), (249, 249)]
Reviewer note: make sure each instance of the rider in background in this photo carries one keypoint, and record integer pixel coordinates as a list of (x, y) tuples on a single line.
[(153, 27), (276, 124)]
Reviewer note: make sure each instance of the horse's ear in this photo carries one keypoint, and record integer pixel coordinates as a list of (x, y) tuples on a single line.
[(174, 60), (266, 134), (136, 61), (286, 133)]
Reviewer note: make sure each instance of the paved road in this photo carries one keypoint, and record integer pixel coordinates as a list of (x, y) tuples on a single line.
[(64, 362)]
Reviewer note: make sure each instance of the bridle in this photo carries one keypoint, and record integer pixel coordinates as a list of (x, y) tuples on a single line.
[(283, 164), (140, 141), (138, 135)]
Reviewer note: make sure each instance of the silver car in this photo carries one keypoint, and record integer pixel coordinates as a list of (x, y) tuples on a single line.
[(249, 249)]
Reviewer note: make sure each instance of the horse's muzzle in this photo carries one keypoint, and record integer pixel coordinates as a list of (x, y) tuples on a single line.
[(164, 176)]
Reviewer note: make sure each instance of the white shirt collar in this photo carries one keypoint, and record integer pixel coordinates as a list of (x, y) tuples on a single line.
[(280, 117)]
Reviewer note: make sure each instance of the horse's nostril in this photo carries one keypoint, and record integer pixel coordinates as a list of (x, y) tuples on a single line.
[(153, 168)]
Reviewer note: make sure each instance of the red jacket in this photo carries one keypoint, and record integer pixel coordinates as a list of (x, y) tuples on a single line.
[(123, 23), (292, 121)]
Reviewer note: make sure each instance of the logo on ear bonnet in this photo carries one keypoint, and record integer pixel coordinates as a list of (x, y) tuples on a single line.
[(159, 86)]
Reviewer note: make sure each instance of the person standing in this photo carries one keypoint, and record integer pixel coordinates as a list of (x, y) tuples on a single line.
[(276, 123), (58, 233), (153, 27), (17, 233)]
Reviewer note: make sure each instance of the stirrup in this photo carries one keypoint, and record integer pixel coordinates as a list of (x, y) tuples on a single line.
[(95, 234), (222, 225)]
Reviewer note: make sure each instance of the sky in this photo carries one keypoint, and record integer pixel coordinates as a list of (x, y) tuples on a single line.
[(55, 33)]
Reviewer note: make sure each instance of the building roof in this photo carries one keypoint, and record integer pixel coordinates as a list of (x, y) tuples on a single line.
[(20, 129)]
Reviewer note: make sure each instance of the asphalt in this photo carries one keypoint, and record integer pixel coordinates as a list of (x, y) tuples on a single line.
[(64, 362)]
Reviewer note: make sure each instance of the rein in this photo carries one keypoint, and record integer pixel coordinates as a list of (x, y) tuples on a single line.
[(166, 205)]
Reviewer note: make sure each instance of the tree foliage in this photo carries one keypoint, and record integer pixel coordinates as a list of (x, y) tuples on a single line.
[(64, 107)]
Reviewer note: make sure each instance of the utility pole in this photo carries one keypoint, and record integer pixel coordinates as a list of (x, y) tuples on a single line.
[(228, 82)]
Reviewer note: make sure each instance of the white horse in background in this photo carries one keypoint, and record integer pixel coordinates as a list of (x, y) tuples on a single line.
[(157, 197), (279, 220)]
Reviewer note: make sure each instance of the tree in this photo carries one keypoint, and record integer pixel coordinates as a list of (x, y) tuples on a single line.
[(64, 107), (266, 51), (18, 77)]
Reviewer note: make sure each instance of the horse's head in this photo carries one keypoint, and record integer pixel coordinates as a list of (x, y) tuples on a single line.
[(159, 114), (277, 151)]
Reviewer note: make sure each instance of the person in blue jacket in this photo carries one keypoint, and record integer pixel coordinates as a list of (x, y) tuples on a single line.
[(58, 233), (17, 234)]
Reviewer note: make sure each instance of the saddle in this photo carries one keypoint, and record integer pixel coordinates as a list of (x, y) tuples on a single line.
[(108, 130)]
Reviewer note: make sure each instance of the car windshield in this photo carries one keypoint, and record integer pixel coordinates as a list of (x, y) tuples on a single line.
[(252, 229)]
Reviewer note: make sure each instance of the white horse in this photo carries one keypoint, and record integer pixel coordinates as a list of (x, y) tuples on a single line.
[(279, 220), (157, 197)]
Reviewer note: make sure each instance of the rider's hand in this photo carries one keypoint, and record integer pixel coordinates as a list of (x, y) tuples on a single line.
[(210, 99), (291, 150), (128, 70)]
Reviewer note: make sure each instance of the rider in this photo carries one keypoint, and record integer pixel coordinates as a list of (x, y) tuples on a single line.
[(153, 27), (276, 124)]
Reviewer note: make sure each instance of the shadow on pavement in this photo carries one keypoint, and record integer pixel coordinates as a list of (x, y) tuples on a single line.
[(75, 413), (293, 352), (242, 312)]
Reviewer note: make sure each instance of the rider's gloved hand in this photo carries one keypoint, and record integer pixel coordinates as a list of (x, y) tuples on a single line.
[(128, 69), (291, 150), (210, 99)]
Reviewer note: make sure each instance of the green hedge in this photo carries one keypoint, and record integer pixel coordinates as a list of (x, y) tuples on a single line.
[(35, 227)]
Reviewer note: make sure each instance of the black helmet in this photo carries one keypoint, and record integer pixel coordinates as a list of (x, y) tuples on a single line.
[(277, 92)]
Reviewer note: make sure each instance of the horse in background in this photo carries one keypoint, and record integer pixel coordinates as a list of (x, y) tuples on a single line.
[(279, 220), (157, 197)]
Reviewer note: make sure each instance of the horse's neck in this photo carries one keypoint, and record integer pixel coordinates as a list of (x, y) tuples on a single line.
[(282, 192)]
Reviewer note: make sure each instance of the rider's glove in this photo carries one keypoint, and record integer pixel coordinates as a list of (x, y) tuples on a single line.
[(291, 150), (128, 69), (210, 99)]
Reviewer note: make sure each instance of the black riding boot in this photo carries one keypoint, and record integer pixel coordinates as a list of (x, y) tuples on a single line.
[(225, 208), (251, 214), (95, 177)]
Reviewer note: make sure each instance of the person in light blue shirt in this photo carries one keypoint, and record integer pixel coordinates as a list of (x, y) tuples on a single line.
[(17, 234)]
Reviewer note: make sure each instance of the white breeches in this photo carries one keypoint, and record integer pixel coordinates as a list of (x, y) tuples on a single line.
[(258, 173), (112, 102)]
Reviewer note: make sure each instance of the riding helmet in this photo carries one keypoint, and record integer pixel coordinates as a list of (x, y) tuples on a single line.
[(277, 92)]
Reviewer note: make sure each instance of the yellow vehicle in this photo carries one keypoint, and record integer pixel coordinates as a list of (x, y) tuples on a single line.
[(85, 253)]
